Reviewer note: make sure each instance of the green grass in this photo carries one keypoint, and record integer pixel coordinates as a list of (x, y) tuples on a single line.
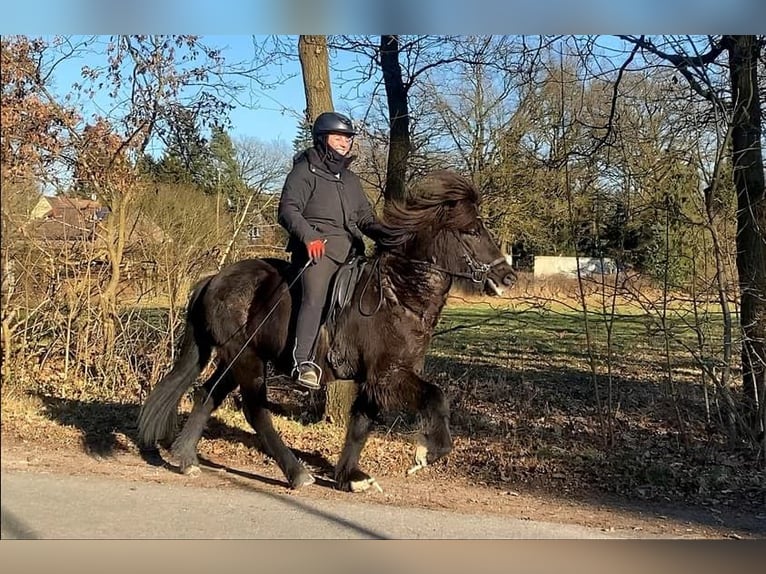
[(481, 330)]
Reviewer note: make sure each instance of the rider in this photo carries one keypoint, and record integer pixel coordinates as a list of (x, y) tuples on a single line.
[(325, 212)]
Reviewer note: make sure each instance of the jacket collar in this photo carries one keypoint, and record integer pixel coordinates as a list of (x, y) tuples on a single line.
[(317, 166)]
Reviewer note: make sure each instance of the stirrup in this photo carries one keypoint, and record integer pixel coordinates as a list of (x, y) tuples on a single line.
[(307, 374)]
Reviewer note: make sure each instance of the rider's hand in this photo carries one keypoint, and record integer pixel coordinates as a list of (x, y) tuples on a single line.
[(315, 249)]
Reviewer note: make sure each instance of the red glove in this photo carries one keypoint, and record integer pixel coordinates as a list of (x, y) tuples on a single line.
[(315, 249)]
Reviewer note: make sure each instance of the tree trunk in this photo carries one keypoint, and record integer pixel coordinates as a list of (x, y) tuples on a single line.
[(312, 52), (399, 119), (747, 160), (339, 397), (117, 225), (315, 65)]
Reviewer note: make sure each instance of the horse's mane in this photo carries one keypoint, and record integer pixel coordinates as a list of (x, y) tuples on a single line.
[(428, 201)]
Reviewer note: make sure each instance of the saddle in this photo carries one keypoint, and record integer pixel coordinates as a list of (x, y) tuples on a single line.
[(343, 285)]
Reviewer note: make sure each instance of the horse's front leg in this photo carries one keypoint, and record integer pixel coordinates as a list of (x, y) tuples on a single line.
[(348, 476), (435, 440)]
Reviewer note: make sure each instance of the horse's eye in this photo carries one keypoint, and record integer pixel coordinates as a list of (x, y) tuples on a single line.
[(473, 232)]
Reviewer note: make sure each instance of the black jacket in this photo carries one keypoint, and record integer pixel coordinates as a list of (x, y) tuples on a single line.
[(317, 204)]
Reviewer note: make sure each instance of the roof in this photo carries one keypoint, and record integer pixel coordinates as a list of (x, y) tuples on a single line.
[(63, 218)]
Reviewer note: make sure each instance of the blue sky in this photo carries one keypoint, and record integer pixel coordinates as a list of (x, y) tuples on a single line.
[(269, 115), (275, 113)]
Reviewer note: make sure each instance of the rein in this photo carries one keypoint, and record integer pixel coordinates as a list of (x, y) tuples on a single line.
[(375, 269)]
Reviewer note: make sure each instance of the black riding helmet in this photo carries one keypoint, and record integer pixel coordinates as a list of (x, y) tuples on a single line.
[(332, 122)]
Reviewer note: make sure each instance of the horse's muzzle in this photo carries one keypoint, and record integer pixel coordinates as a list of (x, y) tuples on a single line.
[(509, 279), (499, 279)]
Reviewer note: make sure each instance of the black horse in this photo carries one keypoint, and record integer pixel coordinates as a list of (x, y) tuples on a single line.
[(379, 339)]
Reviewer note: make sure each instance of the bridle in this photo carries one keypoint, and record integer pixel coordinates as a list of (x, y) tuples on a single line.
[(478, 272)]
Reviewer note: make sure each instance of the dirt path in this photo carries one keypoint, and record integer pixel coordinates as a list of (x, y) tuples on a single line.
[(93, 438), (428, 489)]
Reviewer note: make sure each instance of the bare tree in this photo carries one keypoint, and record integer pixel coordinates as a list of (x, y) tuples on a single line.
[(398, 116), (701, 67), (747, 159), (315, 66), (263, 168), (147, 81)]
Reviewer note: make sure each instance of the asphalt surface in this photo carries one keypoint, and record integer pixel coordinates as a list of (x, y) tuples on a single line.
[(50, 506)]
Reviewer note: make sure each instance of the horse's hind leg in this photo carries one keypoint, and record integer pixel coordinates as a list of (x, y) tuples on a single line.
[(205, 402), (255, 411), (348, 476)]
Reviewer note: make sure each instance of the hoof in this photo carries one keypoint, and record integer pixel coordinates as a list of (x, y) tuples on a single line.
[(191, 470), (364, 485), (303, 478), (436, 444), (356, 481), (421, 459)]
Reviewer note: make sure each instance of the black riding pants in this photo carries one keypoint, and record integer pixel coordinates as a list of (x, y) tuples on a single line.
[(315, 283)]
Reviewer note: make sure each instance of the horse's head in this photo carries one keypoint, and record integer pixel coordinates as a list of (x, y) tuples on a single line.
[(442, 216), (475, 260)]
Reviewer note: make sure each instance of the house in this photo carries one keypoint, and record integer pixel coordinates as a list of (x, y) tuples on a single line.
[(60, 218), (59, 206)]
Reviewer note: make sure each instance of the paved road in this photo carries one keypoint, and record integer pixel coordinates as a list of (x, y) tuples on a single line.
[(76, 507)]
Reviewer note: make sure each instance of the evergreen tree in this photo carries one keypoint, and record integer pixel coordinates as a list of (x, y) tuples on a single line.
[(303, 139), (187, 158), (228, 173)]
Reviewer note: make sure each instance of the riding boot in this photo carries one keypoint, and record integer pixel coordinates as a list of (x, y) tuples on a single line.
[(307, 375)]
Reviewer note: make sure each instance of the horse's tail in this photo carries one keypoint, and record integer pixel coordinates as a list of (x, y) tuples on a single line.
[(157, 419)]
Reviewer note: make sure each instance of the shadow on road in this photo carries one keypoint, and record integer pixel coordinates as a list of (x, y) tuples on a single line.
[(231, 473), (13, 528), (101, 423)]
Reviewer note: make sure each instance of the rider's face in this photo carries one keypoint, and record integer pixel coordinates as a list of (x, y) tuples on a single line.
[(341, 143)]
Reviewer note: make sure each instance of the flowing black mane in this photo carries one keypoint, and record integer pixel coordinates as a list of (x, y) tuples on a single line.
[(440, 216), (429, 202)]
